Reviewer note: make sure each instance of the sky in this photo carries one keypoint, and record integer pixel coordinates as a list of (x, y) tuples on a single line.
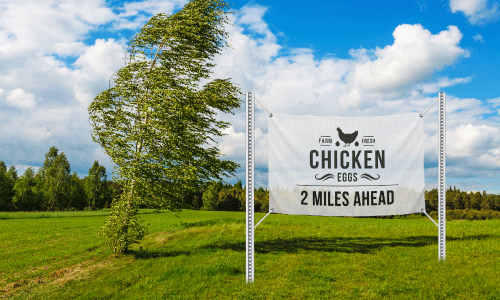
[(323, 58)]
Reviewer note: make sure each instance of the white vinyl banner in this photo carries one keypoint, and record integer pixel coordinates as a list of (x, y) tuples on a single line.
[(332, 166)]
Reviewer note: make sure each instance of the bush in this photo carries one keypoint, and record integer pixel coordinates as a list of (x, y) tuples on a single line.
[(122, 228)]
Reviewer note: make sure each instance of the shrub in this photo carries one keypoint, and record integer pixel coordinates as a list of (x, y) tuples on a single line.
[(122, 228)]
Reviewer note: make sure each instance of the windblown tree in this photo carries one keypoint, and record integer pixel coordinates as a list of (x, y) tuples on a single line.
[(156, 119)]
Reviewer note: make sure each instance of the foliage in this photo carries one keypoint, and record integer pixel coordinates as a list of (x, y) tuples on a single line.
[(231, 200), (115, 190), (96, 186), (122, 228), (26, 196), (77, 195), (155, 119), (55, 179), (261, 200), (7, 182), (458, 200), (211, 196), (53, 187)]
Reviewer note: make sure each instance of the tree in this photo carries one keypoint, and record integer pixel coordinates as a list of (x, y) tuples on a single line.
[(12, 173), (230, 199), (238, 185), (155, 120), (476, 199), (6, 187), (211, 196), (96, 186), (431, 200), (77, 193), (25, 195), (55, 180)]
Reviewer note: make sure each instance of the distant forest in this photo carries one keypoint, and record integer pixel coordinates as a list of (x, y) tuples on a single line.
[(54, 188)]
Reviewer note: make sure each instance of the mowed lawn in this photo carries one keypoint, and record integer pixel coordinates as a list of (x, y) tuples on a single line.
[(202, 256)]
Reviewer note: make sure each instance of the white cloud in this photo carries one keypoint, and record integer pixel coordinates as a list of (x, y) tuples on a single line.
[(21, 99), (299, 79), (478, 38), (59, 27), (443, 82), (415, 55), (468, 7), (96, 58), (471, 141), (46, 26), (477, 11), (495, 102), (95, 67), (134, 14)]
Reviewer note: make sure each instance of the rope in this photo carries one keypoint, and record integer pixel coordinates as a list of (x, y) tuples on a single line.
[(422, 114), (270, 114)]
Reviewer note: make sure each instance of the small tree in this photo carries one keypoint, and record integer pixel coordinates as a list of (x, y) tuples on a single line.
[(211, 196), (155, 120)]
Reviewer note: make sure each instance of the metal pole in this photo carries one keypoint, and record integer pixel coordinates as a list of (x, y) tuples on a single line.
[(249, 190), (442, 177)]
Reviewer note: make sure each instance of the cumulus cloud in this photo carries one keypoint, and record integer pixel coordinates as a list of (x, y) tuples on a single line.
[(414, 56), (95, 67), (21, 99), (472, 140), (477, 11)]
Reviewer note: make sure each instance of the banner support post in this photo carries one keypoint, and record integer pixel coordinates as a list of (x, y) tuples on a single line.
[(442, 177), (249, 189)]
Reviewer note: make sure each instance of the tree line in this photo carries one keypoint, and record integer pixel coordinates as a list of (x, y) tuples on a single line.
[(464, 205), (220, 196), (53, 187)]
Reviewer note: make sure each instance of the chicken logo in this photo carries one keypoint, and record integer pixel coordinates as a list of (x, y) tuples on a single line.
[(347, 138)]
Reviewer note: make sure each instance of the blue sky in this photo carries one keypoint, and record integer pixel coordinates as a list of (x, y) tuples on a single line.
[(337, 58)]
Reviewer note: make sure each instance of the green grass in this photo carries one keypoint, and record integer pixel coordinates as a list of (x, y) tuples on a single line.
[(203, 257)]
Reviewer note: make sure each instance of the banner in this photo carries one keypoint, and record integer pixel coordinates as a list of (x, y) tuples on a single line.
[(331, 166)]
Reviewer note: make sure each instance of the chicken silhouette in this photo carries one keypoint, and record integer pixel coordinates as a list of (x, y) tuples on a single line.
[(347, 138)]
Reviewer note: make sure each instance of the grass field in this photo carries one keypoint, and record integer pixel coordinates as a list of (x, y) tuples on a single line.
[(60, 256)]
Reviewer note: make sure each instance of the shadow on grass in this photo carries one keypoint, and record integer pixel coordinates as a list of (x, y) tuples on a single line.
[(147, 254), (364, 245)]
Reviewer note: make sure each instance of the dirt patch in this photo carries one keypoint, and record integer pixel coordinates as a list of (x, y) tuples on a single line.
[(60, 277)]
